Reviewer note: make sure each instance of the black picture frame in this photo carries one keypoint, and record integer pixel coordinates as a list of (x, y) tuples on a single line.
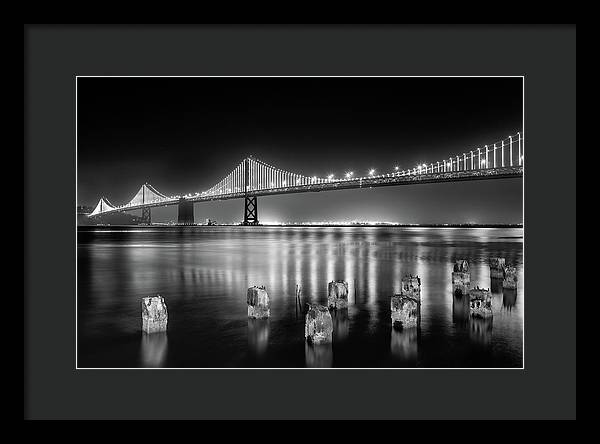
[(55, 54)]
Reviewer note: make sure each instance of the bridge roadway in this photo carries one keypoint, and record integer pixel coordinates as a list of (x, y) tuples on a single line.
[(361, 182)]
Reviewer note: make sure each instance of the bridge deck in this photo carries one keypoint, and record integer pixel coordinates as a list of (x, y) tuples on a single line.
[(363, 182)]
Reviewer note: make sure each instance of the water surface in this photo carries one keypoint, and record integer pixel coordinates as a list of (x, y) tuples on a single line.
[(203, 273)]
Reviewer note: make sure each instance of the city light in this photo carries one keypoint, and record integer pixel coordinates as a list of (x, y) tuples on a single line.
[(397, 168), (349, 174), (330, 177), (371, 172)]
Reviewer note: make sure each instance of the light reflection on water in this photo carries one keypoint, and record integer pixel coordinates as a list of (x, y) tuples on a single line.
[(203, 273)]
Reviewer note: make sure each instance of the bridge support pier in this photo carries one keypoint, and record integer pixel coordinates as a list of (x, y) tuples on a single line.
[(250, 211), (185, 212), (146, 216)]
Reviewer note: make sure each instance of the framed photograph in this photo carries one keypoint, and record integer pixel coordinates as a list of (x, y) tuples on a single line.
[(296, 220), (316, 222)]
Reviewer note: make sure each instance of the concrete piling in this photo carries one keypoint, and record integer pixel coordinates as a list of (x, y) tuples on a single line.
[(497, 267), (405, 311), (258, 303), (154, 314), (337, 294), (411, 286), (481, 303), (406, 306), (510, 277), (318, 328), (461, 278)]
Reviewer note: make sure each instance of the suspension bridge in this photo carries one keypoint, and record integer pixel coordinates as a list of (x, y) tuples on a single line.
[(253, 178)]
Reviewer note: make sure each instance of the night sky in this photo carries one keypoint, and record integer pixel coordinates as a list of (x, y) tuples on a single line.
[(183, 135)]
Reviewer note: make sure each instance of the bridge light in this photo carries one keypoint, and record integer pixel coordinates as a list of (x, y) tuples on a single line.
[(349, 174), (397, 168), (330, 177), (371, 172)]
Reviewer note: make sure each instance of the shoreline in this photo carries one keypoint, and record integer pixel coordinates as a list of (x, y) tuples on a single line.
[(89, 227)]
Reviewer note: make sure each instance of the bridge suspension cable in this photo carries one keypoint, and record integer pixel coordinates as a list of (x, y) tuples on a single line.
[(252, 175), (102, 206), (255, 175), (147, 194)]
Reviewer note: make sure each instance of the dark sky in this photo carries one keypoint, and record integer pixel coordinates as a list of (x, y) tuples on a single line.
[(184, 134)]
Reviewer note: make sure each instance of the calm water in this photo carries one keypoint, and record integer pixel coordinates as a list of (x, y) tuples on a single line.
[(203, 273)]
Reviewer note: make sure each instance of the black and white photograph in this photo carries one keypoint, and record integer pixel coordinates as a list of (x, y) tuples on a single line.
[(300, 222)]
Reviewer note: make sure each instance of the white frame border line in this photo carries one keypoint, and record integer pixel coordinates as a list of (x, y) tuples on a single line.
[(299, 368)]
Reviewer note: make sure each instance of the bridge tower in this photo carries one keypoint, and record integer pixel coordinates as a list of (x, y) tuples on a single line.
[(146, 212), (146, 216), (250, 202), (185, 212)]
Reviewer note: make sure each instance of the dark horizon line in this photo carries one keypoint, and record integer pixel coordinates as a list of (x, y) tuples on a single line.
[(301, 224)]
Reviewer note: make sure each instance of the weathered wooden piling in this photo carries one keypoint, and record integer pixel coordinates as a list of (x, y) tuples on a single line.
[(405, 311), (461, 278), (497, 267), (258, 303), (510, 277), (337, 294), (481, 303), (154, 314), (318, 328)]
